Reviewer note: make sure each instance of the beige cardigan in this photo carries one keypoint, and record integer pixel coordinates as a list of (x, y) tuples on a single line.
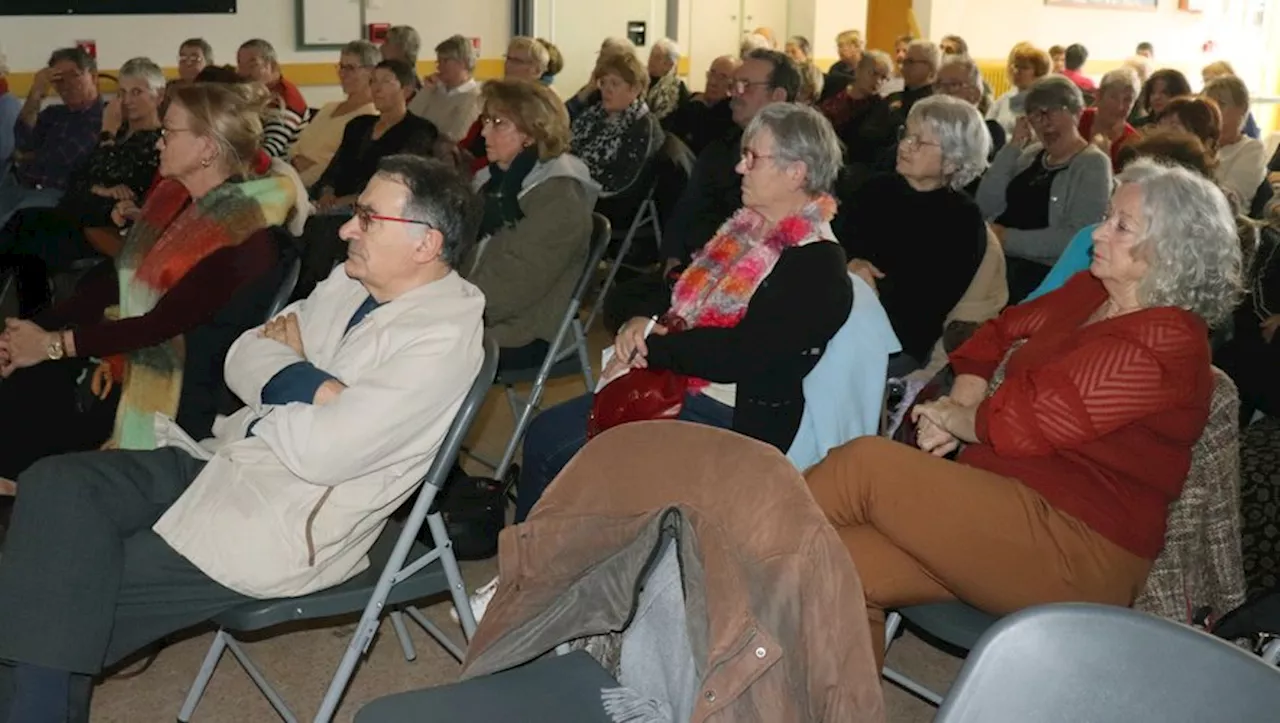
[(320, 139)]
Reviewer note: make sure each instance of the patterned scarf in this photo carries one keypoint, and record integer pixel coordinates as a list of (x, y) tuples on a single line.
[(170, 238), (663, 95), (502, 193), (597, 137), (717, 287)]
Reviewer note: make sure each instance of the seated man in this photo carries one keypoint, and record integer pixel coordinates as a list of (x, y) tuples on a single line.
[(706, 115), (349, 393), (53, 142)]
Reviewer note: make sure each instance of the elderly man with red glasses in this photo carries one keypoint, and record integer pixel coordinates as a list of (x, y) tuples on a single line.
[(348, 396)]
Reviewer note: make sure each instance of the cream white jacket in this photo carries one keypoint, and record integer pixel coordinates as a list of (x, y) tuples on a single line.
[(295, 507)]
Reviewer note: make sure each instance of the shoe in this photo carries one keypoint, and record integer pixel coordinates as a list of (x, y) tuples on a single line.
[(479, 601)]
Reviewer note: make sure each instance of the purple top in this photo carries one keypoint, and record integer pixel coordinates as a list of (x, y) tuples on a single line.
[(60, 141)]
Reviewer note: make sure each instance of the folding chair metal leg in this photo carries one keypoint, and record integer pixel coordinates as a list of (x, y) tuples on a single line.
[(209, 665), (892, 622), (1271, 653), (402, 634), (616, 264), (522, 410), (434, 631), (452, 573), (261, 681), (584, 357)]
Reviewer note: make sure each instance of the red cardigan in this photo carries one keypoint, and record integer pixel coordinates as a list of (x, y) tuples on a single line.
[(1086, 130), (1099, 419)]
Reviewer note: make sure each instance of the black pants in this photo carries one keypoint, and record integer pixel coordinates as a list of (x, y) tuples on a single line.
[(322, 249), (38, 242), (84, 581), (1253, 364), (1023, 277), (43, 412), (529, 356), (640, 296)]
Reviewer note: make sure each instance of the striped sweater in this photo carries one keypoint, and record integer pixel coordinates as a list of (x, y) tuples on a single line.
[(1098, 419)]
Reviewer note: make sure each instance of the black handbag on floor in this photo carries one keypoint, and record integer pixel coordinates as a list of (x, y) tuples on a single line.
[(474, 511)]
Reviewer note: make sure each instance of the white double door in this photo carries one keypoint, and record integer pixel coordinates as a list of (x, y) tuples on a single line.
[(717, 27)]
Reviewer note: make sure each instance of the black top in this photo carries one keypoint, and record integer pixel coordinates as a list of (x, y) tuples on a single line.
[(359, 153), (839, 77), (698, 124), (129, 161), (795, 311), (928, 244), (1027, 196), (713, 194), (1273, 166)]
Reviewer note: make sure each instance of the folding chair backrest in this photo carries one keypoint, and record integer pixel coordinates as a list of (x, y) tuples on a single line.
[(281, 299), (600, 231), (1075, 662)]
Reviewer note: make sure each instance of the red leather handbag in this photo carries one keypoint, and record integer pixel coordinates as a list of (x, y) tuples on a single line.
[(640, 395)]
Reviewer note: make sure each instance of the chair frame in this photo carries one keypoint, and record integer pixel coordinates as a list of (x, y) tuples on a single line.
[(647, 213), (393, 573), (281, 299), (570, 342)]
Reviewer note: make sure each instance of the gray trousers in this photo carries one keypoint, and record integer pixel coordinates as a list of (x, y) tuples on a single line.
[(84, 581)]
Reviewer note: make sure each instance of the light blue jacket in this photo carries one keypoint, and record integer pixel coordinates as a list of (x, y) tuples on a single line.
[(1074, 259), (844, 393)]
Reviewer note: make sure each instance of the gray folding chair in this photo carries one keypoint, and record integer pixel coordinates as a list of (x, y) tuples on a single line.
[(567, 355), (390, 582), (281, 299), (1075, 662)]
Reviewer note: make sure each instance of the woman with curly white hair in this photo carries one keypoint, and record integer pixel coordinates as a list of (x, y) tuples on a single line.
[(916, 236), (1069, 466)]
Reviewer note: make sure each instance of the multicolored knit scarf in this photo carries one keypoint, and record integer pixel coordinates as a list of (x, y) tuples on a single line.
[(717, 287), (170, 238)]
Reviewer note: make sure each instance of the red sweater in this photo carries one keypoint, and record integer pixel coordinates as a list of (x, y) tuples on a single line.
[(1086, 130), (1100, 419)]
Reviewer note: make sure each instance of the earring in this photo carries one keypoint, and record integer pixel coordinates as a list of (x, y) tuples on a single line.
[(205, 163)]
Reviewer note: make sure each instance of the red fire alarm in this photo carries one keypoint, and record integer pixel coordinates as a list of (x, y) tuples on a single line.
[(475, 46), (378, 32), (88, 46)]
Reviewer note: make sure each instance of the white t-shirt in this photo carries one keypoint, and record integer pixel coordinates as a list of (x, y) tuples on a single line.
[(1241, 168)]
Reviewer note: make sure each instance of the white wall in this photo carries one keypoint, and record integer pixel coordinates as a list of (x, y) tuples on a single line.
[(833, 17), (578, 26)]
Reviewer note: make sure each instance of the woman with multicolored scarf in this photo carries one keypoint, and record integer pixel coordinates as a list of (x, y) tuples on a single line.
[(757, 305), (147, 333)]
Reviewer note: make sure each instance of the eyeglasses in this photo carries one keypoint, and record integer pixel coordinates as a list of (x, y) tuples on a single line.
[(365, 217), (913, 142), (497, 123), (741, 85), (348, 67), (749, 158), (1042, 115), (190, 59), (166, 132), (516, 59)]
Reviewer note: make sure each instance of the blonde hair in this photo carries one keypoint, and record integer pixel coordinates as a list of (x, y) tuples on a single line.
[(1039, 60), (849, 37), (535, 110), (1217, 69), (627, 67), (231, 115), (537, 51)]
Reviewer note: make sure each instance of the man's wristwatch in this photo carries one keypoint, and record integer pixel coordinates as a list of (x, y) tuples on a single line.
[(56, 350)]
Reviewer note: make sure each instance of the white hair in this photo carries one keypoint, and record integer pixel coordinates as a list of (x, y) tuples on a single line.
[(755, 41), (970, 68), (669, 48), (1191, 243), (1124, 77), (146, 70), (962, 135), (801, 135), (931, 50)]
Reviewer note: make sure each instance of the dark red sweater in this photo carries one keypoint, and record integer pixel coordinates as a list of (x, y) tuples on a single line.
[(1100, 419), (194, 300)]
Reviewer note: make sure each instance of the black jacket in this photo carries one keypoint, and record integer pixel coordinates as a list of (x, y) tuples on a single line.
[(713, 194)]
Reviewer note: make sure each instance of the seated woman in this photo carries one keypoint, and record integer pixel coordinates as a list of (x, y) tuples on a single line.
[(1027, 64), (1165, 145), (365, 141), (800, 50), (40, 241), (1038, 194), (318, 142), (1163, 86), (1200, 117), (666, 91), (195, 272), (614, 135), (847, 109), (1070, 465), (915, 236), (1242, 161), (536, 229), (1106, 124), (1252, 357), (759, 304)]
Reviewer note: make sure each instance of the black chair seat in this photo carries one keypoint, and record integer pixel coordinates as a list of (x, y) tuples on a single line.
[(349, 597), (553, 689), (954, 623), (566, 367)]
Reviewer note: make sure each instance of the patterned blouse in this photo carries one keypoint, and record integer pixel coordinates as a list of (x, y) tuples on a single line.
[(615, 147), (130, 161)]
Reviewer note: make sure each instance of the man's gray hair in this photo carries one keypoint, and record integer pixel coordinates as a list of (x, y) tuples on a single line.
[(878, 57), (669, 48), (368, 53), (932, 52), (406, 38), (457, 47), (439, 197), (1053, 92), (1119, 79), (264, 49), (801, 135), (1191, 244), (77, 55), (146, 70), (962, 136), (970, 68)]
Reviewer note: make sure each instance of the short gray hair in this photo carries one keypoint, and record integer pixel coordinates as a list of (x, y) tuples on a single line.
[(801, 135), (931, 50), (970, 68), (1053, 92), (406, 38), (1118, 79), (146, 70), (368, 53), (878, 57), (1228, 90), (1191, 242), (457, 47), (264, 49), (669, 48), (439, 197), (962, 135), (537, 51)]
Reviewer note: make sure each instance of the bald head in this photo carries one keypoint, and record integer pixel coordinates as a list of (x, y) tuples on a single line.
[(720, 78)]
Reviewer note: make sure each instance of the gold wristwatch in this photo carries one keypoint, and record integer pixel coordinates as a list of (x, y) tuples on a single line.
[(56, 350)]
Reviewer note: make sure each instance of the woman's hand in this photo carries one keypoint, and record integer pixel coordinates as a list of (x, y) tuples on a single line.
[(1022, 133), (1269, 326), (629, 347), (125, 212), (24, 344), (113, 116), (866, 271), (119, 192), (934, 439), (950, 416), (285, 329), (998, 231)]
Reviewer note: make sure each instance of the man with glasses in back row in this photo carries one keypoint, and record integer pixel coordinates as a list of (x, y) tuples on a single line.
[(349, 395), (53, 142)]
